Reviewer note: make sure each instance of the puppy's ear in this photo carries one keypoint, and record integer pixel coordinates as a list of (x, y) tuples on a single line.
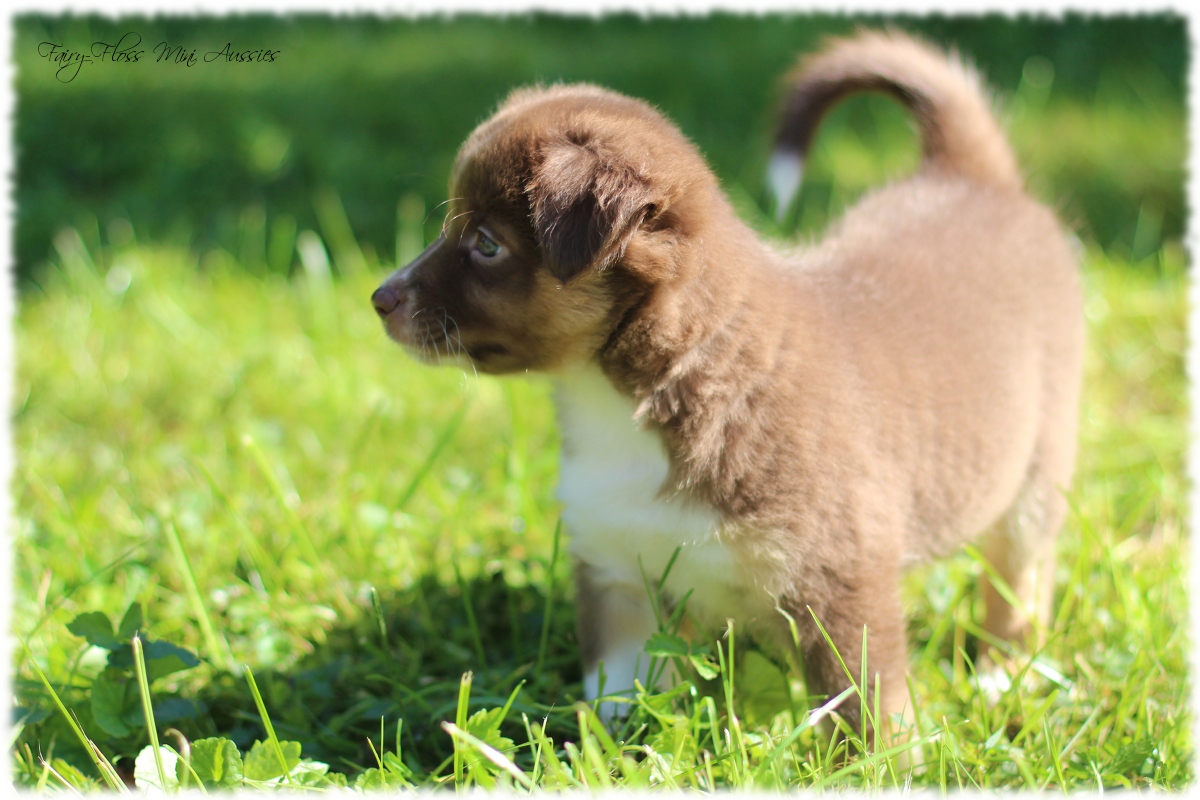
[(586, 206)]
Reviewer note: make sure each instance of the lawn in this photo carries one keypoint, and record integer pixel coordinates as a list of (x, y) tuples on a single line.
[(278, 486), (348, 570)]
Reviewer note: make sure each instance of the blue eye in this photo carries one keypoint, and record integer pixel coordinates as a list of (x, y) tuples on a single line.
[(486, 246)]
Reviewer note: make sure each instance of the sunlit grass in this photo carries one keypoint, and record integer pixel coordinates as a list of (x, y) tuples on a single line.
[(309, 469)]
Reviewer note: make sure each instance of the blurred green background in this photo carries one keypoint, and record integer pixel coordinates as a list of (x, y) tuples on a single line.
[(351, 131)]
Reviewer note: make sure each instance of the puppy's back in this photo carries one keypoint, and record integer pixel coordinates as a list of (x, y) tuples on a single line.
[(957, 293)]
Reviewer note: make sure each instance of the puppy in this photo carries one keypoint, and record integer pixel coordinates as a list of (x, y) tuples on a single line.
[(800, 426)]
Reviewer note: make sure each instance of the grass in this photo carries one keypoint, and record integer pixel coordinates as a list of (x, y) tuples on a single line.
[(250, 460)]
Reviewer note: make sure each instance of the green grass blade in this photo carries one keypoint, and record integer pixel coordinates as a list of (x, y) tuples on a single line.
[(298, 530), (868, 761), (263, 564), (377, 608), (266, 721), (49, 770), (217, 647), (1055, 755), (854, 683), (460, 719), (184, 748), (139, 665), (444, 438), (106, 769)]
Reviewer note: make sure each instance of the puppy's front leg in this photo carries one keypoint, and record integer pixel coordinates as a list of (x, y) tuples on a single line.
[(614, 621)]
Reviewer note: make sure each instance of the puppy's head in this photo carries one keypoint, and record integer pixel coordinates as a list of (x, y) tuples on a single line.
[(563, 213)]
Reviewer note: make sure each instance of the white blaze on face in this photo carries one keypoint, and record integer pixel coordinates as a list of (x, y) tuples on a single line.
[(784, 175)]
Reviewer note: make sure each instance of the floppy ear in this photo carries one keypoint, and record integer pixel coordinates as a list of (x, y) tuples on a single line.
[(585, 207)]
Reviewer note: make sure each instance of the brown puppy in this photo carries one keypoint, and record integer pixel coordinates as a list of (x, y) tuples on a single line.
[(801, 425)]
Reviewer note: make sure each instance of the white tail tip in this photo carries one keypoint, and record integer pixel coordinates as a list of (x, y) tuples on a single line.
[(784, 175)]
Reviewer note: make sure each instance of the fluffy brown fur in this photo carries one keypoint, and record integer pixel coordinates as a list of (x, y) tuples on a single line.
[(843, 410)]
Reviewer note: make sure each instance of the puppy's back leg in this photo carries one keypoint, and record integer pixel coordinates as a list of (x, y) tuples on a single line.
[(1021, 546)]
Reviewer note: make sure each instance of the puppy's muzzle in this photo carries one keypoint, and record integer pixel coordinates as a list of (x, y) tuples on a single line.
[(396, 291), (388, 297)]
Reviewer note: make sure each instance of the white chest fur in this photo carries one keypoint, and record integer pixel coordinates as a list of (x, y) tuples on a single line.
[(610, 480)]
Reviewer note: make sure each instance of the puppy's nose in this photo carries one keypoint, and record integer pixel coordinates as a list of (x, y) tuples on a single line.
[(385, 299)]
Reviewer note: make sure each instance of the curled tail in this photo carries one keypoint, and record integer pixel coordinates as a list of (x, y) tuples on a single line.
[(959, 133)]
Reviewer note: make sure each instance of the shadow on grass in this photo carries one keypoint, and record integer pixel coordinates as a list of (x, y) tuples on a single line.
[(396, 668), (368, 675), (399, 664)]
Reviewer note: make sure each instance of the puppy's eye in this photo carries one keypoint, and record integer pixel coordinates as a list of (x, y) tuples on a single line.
[(486, 247)]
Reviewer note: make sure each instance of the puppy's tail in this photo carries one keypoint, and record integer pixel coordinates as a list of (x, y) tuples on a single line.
[(958, 131)]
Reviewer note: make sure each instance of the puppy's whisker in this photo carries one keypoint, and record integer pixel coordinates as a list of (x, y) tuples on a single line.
[(445, 332), (439, 205), (446, 223), (457, 334), (461, 349)]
